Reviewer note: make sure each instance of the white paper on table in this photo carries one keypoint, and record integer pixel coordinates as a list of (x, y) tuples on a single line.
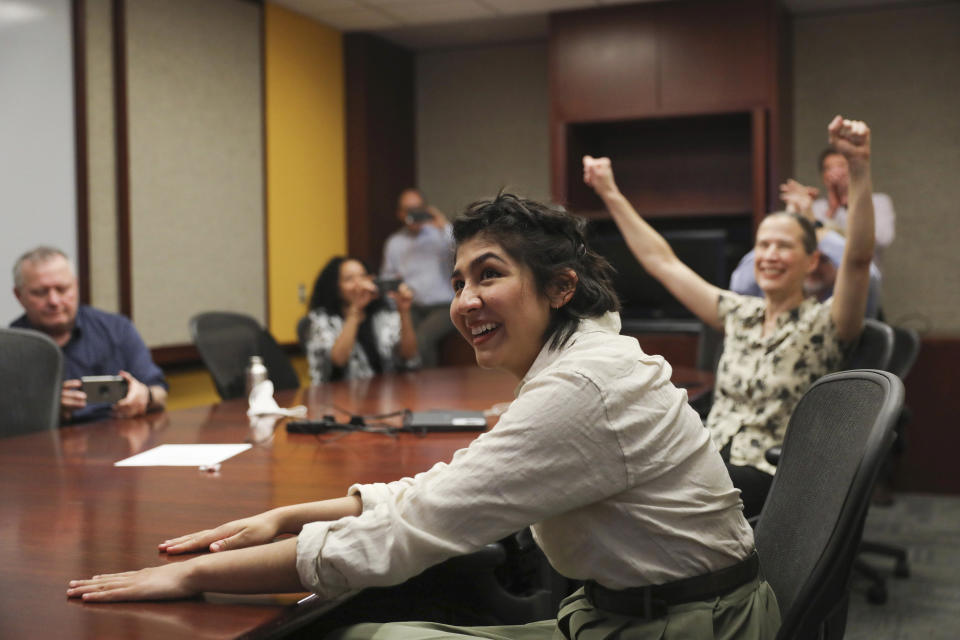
[(183, 455)]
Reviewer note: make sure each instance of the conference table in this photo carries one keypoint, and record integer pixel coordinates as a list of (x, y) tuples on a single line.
[(67, 512)]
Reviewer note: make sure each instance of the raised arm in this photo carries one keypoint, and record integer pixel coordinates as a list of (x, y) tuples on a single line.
[(650, 248), (852, 139), (403, 298)]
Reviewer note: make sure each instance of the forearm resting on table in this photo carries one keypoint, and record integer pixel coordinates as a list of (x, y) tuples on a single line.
[(269, 568), (292, 518)]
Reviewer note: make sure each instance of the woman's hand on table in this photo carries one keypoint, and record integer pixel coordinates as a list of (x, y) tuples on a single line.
[(167, 582), (246, 532)]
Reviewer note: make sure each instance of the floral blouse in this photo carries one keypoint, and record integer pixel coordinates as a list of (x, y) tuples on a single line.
[(760, 379), (325, 328)]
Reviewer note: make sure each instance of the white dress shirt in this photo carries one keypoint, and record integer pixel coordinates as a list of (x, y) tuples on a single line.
[(599, 453), (884, 221)]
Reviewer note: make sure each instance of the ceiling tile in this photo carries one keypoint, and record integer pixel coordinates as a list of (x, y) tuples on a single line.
[(436, 11), (517, 7), (357, 19)]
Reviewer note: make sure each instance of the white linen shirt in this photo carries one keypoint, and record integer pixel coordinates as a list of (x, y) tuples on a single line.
[(599, 452)]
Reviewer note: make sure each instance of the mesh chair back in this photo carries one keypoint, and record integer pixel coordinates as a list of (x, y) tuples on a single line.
[(709, 349), (31, 371), (807, 535), (873, 349), (906, 347), (226, 341)]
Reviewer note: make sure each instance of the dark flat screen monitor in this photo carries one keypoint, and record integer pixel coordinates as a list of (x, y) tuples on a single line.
[(642, 297)]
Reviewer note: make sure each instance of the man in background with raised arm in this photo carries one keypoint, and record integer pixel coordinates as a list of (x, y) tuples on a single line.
[(93, 342), (831, 210)]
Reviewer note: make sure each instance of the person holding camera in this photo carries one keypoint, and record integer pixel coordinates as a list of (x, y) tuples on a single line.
[(93, 342), (421, 254), (353, 333)]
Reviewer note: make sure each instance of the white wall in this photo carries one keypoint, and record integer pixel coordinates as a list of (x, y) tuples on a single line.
[(196, 163), (895, 68), (37, 159), (483, 123)]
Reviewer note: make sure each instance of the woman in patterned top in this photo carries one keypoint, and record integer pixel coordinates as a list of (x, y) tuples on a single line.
[(776, 346), (353, 334)]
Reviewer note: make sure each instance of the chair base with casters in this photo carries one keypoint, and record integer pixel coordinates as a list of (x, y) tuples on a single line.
[(877, 591), (903, 350)]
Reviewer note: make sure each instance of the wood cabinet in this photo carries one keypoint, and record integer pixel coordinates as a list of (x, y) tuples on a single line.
[(687, 98), (684, 96)]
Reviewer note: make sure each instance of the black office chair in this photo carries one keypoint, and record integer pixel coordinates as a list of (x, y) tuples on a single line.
[(709, 351), (226, 341), (810, 527), (31, 370), (303, 332), (906, 348), (873, 348)]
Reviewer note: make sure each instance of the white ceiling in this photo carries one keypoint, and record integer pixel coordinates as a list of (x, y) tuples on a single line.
[(429, 24)]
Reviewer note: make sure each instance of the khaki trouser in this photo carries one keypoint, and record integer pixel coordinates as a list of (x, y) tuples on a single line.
[(749, 612)]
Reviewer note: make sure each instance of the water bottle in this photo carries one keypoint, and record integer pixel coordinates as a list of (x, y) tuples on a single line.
[(256, 373)]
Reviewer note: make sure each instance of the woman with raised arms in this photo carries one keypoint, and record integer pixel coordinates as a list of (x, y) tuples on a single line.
[(774, 347)]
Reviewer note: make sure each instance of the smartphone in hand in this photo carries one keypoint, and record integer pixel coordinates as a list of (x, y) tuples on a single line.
[(385, 285), (104, 389), (418, 215)]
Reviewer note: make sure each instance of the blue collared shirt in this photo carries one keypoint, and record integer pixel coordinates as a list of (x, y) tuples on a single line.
[(102, 344), (424, 261)]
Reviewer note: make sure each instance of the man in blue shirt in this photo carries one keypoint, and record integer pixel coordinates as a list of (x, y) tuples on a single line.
[(421, 254), (93, 342)]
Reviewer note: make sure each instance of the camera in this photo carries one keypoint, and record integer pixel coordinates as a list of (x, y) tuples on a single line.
[(385, 285), (104, 389), (418, 215)]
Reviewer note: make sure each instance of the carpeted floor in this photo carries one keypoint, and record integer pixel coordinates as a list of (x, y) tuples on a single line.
[(926, 605)]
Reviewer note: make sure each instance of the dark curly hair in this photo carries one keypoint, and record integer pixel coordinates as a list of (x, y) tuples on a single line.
[(548, 241), (326, 288), (326, 296)]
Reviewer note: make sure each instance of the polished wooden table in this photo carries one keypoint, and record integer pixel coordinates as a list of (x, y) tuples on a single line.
[(67, 512)]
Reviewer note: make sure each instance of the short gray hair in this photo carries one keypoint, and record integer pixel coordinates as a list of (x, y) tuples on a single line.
[(36, 255)]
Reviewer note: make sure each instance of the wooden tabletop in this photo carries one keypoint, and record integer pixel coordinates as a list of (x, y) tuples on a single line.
[(67, 512)]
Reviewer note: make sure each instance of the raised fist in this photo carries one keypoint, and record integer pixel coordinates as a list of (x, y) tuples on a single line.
[(852, 139)]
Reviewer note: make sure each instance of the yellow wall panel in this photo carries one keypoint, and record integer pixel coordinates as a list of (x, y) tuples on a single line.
[(306, 173)]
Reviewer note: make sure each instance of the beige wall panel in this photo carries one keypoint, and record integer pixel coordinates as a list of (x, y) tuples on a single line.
[(101, 157), (196, 162), (897, 69), (483, 123)]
